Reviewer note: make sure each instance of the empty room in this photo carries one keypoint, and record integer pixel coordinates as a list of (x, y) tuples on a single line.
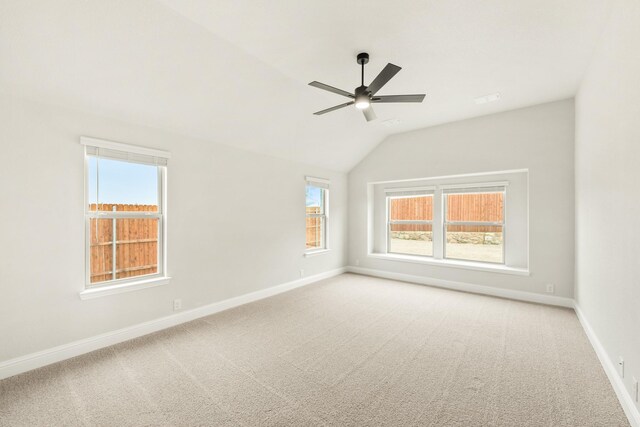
[(336, 213)]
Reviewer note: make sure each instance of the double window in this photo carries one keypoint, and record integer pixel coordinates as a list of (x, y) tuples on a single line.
[(448, 222), (124, 212), (317, 213)]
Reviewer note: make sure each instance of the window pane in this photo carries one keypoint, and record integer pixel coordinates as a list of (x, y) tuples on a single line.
[(475, 243), (315, 219), (115, 184), (315, 199), (101, 249), (411, 239), (485, 207), (136, 247), (417, 208), (315, 231)]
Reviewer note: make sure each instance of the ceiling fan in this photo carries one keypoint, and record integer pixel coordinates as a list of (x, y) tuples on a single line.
[(364, 96)]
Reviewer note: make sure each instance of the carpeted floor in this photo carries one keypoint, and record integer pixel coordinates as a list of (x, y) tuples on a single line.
[(351, 350)]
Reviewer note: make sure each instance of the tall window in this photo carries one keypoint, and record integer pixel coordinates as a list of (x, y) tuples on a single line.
[(124, 213), (410, 223), (317, 201), (474, 224)]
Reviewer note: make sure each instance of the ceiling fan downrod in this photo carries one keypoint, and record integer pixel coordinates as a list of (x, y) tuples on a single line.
[(362, 59)]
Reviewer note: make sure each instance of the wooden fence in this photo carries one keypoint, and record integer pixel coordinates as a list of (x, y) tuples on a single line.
[(136, 240), (480, 207), (136, 243), (314, 231)]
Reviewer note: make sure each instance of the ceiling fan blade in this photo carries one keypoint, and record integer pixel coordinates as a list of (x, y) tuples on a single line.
[(369, 114), (332, 89), (399, 98), (385, 75), (337, 107)]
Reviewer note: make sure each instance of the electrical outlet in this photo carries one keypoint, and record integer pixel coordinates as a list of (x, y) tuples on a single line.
[(550, 288), (177, 304), (621, 366), (357, 262), (634, 391), (301, 273)]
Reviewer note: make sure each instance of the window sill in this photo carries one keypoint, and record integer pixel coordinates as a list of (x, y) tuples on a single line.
[(316, 252), (124, 287), (467, 265)]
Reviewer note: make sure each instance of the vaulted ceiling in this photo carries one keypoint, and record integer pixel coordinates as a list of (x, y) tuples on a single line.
[(236, 72)]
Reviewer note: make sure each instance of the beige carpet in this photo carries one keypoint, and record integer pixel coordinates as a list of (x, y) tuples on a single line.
[(351, 350)]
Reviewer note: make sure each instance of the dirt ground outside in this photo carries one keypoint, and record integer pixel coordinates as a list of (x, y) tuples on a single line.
[(464, 251)]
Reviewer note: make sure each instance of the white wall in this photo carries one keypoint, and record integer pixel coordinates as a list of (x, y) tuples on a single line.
[(538, 138), (236, 225), (608, 189)]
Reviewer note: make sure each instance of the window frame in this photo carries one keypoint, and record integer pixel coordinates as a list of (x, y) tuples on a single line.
[(128, 283), (439, 224), (469, 189), (324, 186), (394, 195)]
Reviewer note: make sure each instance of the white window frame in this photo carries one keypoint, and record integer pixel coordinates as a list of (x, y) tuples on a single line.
[(324, 185), (488, 188), (405, 193), (94, 147)]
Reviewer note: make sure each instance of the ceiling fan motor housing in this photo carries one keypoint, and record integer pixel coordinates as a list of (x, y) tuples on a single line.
[(362, 90)]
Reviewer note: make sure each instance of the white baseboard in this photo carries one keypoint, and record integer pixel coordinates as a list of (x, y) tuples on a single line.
[(466, 287), (626, 401), (56, 354)]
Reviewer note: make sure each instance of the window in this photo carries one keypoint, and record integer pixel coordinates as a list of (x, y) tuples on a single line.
[(474, 224), (317, 201), (410, 222), (124, 213)]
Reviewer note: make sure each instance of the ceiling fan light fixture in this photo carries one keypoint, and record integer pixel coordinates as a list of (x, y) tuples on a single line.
[(362, 102)]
